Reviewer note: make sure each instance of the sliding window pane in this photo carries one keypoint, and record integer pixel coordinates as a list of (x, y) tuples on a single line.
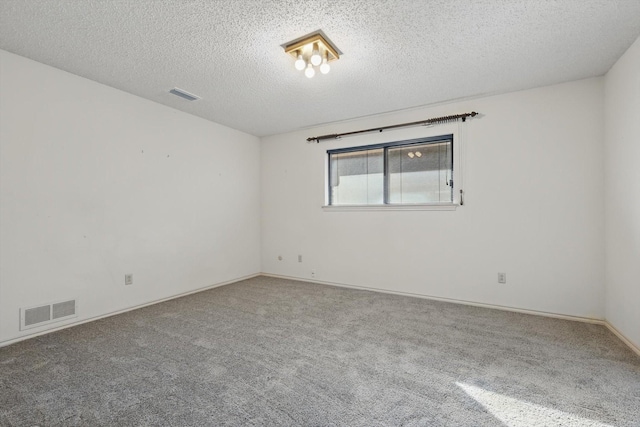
[(421, 173), (357, 178)]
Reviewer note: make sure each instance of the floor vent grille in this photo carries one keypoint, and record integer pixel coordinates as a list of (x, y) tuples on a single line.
[(32, 317)]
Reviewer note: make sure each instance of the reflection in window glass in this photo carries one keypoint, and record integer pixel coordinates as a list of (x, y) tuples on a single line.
[(420, 173)]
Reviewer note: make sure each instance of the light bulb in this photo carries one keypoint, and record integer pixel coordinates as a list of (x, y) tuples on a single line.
[(410, 154), (419, 154), (316, 59), (309, 72), (325, 68), (300, 62)]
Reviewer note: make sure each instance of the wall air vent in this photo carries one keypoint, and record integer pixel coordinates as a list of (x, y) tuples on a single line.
[(33, 317), (184, 94)]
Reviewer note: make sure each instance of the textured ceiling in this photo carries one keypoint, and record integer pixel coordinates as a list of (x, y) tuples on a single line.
[(397, 54)]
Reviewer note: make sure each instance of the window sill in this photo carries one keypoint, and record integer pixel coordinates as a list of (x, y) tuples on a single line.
[(421, 207)]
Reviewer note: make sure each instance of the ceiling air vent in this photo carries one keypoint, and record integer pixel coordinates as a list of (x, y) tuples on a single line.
[(184, 94), (44, 314)]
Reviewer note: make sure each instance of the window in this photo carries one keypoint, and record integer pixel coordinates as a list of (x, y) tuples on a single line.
[(413, 172)]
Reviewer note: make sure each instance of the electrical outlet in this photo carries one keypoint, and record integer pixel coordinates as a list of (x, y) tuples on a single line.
[(313, 273), (128, 279), (299, 258), (279, 257), (502, 277)]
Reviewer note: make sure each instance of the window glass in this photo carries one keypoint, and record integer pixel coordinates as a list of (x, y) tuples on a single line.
[(405, 172), (420, 173), (357, 178)]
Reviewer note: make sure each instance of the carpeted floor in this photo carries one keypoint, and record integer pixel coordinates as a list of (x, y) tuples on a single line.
[(275, 352)]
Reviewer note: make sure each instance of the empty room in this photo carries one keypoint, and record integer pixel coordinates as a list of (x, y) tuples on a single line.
[(320, 213)]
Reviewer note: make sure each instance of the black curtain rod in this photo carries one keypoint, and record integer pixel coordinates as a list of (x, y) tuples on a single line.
[(435, 120)]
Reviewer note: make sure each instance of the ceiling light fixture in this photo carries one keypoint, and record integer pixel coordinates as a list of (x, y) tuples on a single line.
[(325, 68), (316, 59), (309, 72), (311, 51), (300, 63)]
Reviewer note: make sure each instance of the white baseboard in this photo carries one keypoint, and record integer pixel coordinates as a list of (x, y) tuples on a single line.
[(623, 338), (612, 328), (113, 313), (452, 300)]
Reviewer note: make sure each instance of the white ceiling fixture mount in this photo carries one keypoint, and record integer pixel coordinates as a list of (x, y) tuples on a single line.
[(313, 51)]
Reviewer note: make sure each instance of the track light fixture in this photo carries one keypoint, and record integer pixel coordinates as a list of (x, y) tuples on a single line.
[(312, 51)]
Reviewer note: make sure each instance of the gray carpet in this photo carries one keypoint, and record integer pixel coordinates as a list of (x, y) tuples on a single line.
[(276, 352)]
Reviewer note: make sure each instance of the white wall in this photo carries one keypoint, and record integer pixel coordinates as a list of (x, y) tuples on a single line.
[(96, 183), (533, 208), (622, 194)]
